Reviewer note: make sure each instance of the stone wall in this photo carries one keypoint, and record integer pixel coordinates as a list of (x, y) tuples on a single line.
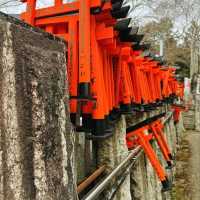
[(197, 111), (144, 182), (36, 136), (112, 152), (192, 117), (141, 183)]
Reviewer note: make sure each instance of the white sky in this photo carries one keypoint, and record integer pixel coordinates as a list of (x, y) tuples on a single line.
[(12, 7), (17, 7)]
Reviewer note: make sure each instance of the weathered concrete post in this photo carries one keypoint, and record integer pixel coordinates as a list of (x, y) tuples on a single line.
[(112, 152), (36, 136), (144, 182)]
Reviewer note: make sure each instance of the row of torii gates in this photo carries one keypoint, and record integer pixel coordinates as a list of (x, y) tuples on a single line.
[(108, 72)]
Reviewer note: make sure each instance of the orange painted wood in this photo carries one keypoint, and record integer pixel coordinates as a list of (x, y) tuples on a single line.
[(65, 8)]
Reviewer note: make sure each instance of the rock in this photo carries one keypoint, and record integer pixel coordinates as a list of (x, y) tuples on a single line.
[(36, 136), (111, 152)]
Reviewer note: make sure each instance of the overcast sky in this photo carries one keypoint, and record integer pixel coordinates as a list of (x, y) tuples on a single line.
[(17, 7)]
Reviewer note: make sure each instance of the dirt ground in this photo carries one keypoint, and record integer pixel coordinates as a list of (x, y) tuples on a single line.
[(187, 181)]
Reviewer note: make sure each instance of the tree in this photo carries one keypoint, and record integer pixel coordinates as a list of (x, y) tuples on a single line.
[(175, 53), (184, 15), (11, 6), (9, 3)]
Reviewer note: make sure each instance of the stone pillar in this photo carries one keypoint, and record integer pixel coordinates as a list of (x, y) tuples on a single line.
[(36, 136), (111, 152), (197, 113), (139, 180), (145, 184)]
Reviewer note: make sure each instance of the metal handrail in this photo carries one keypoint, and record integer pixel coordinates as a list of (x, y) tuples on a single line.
[(95, 193), (134, 155)]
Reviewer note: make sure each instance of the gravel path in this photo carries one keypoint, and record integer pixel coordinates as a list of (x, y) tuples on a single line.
[(194, 165)]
